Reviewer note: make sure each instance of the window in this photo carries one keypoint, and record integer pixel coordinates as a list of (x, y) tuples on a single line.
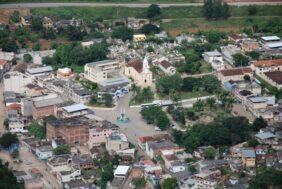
[(145, 81)]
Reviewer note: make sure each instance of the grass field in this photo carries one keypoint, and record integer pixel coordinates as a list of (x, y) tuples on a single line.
[(89, 14), (188, 95), (177, 26)]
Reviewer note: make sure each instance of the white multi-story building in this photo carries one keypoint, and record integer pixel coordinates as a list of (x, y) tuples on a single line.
[(215, 59)]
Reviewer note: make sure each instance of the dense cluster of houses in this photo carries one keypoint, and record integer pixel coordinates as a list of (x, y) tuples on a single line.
[(57, 99)]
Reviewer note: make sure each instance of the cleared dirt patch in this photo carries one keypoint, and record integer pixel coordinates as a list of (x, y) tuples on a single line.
[(5, 14)]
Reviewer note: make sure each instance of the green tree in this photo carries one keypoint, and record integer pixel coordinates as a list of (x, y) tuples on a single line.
[(211, 102), (139, 182), (150, 29), (9, 45), (191, 114), (215, 9), (208, 9), (253, 143), (199, 105), (210, 152), (169, 183), (36, 47), (163, 121), (247, 78), (167, 83), (37, 130), (108, 99), (254, 55), (27, 58), (214, 36), (8, 139), (240, 60), (15, 16), (75, 33), (7, 179), (266, 178), (124, 33), (6, 124), (36, 23), (192, 169), (252, 10), (225, 11), (147, 94), (62, 149), (153, 11), (258, 124)]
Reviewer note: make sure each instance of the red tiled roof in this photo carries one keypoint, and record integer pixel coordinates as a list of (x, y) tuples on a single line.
[(136, 64), (3, 62), (14, 106), (144, 139), (165, 64), (268, 63), (236, 71), (275, 76)]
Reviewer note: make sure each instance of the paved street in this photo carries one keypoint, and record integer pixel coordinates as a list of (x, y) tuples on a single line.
[(28, 162), (129, 5), (135, 128)]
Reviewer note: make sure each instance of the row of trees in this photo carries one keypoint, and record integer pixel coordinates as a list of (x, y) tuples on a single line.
[(140, 96), (7, 178)]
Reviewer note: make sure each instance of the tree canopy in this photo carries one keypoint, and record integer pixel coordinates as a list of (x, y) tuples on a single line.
[(37, 130), (62, 149), (169, 183), (122, 32), (240, 60), (266, 178), (215, 9), (7, 179), (225, 131), (8, 139), (150, 29), (153, 11), (167, 83)]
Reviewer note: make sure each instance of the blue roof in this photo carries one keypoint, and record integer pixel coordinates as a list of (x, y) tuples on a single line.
[(249, 153), (228, 86), (258, 99)]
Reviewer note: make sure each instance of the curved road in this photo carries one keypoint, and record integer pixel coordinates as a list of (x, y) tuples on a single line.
[(129, 5)]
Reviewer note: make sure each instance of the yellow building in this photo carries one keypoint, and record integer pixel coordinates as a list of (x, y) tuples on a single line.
[(249, 158), (139, 72), (139, 37)]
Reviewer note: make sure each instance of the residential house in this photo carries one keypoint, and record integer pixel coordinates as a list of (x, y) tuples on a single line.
[(59, 163), (250, 45), (37, 56), (100, 131), (228, 52), (265, 137), (165, 66), (206, 180), (116, 142), (154, 148), (84, 161), (139, 72), (136, 23), (234, 74), (65, 73), (33, 72), (261, 66), (44, 106), (76, 92), (78, 184), (73, 174), (47, 22), (270, 38), (249, 157), (34, 183), (44, 152), (121, 171), (16, 82), (4, 66), (74, 110), (261, 106), (271, 42), (26, 20), (139, 37), (183, 37), (215, 59), (74, 131)]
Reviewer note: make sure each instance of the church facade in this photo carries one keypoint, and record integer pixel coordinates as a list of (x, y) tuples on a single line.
[(140, 72)]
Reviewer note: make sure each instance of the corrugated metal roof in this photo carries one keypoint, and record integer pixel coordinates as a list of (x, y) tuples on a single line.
[(75, 108)]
